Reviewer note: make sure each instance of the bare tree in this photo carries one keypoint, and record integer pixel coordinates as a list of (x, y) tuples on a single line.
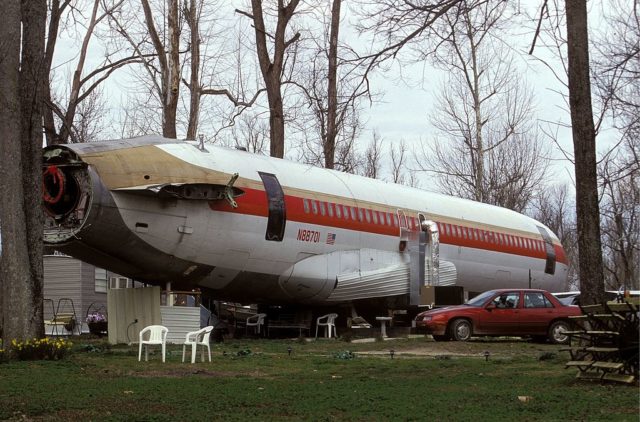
[(620, 213), (83, 83), (204, 78), (158, 41), (272, 68), (251, 133), (169, 59), (616, 82), (192, 16), (329, 143), (488, 148), (400, 171), (372, 157), (22, 80), (584, 146), (330, 83), (90, 117), (398, 158)]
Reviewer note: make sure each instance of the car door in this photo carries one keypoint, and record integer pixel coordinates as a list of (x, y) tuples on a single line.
[(536, 313), (502, 314)]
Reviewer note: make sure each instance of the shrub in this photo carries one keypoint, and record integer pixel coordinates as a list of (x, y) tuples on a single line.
[(39, 349), (345, 355)]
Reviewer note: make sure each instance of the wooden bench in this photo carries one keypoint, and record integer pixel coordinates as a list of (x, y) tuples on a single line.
[(288, 322), (608, 336)]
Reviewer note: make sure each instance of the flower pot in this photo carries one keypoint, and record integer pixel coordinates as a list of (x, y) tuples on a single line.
[(98, 328)]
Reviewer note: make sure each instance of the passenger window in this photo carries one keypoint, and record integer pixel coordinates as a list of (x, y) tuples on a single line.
[(374, 214), (354, 215), (314, 206), (305, 203), (536, 300), (330, 209), (367, 215), (338, 211), (507, 300), (323, 212), (360, 214)]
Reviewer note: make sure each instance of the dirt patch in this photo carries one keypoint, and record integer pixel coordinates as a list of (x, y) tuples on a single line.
[(495, 347), (179, 373)]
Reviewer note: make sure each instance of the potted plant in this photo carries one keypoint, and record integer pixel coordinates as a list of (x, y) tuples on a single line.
[(97, 323)]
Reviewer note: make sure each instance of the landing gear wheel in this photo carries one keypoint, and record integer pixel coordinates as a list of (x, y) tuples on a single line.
[(557, 332), (461, 330)]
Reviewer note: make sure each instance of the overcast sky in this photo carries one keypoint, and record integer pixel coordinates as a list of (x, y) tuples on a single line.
[(407, 96)]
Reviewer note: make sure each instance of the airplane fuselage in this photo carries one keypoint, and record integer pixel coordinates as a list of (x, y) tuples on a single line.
[(160, 210)]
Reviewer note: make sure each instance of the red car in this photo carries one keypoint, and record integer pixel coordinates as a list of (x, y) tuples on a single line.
[(505, 312)]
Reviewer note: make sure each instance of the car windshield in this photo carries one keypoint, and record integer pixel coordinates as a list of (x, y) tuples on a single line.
[(479, 300)]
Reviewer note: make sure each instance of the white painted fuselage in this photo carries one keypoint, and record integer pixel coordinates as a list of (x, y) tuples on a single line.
[(298, 233)]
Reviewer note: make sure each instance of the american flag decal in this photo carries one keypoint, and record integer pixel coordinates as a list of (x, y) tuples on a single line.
[(331, 238)]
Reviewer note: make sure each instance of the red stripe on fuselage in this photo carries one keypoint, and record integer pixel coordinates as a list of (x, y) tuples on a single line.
[(254, 202)]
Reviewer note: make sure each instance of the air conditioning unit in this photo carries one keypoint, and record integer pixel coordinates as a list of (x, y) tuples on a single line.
[(120, 283)]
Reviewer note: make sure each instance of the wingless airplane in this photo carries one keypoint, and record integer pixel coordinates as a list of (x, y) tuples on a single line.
[(248, 228)]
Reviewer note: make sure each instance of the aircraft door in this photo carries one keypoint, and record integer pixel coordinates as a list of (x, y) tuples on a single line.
[(432, 250), (277, 219), (550, 265), (404, 229)]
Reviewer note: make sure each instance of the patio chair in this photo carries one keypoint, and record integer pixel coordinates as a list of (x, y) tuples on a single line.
[(328, 321), (196, 338), (157, 336), (256, 320)]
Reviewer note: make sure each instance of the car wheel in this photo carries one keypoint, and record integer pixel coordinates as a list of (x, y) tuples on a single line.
[(461, 330), (441, 338), (557, 332)]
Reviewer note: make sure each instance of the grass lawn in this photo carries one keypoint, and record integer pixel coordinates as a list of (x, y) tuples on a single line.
[(258, 380)]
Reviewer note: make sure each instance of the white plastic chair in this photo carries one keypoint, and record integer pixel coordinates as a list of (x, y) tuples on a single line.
[(157, 336), (195, 339), (256, 320), (328, 321)]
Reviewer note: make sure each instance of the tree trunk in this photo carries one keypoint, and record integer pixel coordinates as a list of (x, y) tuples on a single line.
[(21, 219), (272, 70), (173, 76), (584, 144), (194, 84), (332, 94), (169, 66), (49, 124), (67, 124)]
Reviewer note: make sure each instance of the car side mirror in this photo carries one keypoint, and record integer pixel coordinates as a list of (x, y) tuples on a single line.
[(490, 307)]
